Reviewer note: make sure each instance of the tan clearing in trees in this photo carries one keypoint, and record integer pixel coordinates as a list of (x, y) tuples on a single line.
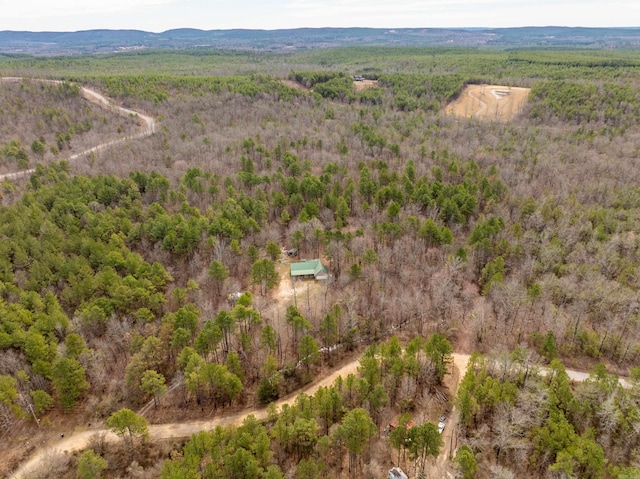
[(488, 102), (358, 85), (364, 84)]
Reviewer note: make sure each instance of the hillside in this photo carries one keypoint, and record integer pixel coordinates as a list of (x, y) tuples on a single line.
[(108, 41), (46, 121), (515, 238)]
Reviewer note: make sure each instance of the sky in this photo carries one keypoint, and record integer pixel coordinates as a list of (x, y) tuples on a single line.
[(161, 15)]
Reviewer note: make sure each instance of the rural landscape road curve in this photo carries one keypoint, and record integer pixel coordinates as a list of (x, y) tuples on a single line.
[(149, 123), (178, 430), (80, 441)]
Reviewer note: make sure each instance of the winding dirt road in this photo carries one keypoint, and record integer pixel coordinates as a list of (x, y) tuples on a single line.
[(180, 430), (150, 125), (80, 441)]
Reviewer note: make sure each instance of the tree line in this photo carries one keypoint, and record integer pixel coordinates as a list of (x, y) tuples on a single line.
[(538, 422)]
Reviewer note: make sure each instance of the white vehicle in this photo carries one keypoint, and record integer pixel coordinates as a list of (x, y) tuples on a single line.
[(397, 473), (442, 421)]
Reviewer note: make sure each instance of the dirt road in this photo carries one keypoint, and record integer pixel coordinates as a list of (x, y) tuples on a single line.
[(449, 435), (80, 441), (150, 125)]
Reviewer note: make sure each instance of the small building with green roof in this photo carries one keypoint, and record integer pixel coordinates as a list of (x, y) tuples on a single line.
[(311, 269)]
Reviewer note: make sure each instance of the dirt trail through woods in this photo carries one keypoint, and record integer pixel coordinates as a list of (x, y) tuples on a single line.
[(150, 125), (180, 430), (449, 435), (81, 440)]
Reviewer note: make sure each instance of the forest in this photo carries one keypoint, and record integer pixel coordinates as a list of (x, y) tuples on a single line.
[(145, 283)]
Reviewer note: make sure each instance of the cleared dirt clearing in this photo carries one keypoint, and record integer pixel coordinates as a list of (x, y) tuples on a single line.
[(364, 84), (488, 102), (358, 85)]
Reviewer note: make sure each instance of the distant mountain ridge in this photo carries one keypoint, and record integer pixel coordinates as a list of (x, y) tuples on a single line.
[(108, 41)]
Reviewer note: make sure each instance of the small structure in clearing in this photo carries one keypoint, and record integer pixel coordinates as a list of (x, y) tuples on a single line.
[(500, 93), (312, 269), (393, 424)]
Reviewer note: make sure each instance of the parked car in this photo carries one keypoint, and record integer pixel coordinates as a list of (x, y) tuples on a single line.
[(397, 473), (442, 421)]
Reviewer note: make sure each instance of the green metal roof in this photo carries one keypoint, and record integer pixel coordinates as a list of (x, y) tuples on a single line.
[(311, 267)]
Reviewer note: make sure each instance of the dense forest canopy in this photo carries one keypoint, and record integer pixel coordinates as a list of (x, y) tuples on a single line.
[(515, 239), (517, 66)]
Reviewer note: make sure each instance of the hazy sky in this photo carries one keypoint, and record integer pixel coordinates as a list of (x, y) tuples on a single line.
[(160, 15)]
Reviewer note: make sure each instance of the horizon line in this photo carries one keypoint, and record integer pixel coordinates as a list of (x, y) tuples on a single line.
[(630, 27)]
